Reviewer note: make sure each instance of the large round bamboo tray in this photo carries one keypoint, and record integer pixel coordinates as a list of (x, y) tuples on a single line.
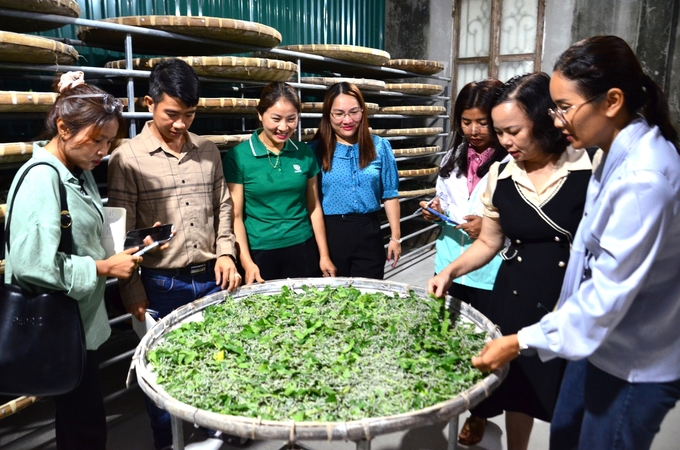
[(420, 66), (19, 102), (317, 107), (414, 110), (227, 105), (15, 152), (416, 151), (361, 83), (415, 88), (430, 131), (351, 53), (24, 48), (414, 188), (417, 170), (68, 8), (227, 30), (292, 431), (227, 140), (224, 66)]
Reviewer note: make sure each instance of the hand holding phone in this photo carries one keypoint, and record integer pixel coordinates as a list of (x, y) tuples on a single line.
[(160, 235)]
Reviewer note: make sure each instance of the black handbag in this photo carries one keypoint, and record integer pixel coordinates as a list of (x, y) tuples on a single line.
[(42, 341)]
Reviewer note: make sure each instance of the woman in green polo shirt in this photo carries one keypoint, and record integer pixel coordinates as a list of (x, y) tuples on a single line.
[(278, 221)]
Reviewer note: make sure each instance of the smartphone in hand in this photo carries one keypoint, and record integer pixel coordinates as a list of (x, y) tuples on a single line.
[(160, 234)]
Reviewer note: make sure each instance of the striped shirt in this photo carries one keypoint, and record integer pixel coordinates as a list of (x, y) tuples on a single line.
[(154, 185)]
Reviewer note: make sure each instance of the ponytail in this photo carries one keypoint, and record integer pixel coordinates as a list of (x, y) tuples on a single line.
[(657, 113)]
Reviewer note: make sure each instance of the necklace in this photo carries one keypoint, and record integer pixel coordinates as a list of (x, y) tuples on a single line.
[(278, 160)]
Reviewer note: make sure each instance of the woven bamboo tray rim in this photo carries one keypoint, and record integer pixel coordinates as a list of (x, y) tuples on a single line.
[(226, 140), (16, 47), (18, 101), (361, 83), (421, 66), (223, 66), (15, 152), (317, 107), (228, 105), (408, 131), (420, 172), (415, 88), (416, 150), (223, 29), (292, 431), (68, 8), (352, 53), (418, 192), (414, 110)]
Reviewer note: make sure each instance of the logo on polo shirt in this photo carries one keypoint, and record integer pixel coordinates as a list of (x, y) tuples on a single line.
[(297, 168)]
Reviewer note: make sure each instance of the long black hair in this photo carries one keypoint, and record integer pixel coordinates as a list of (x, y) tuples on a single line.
[(531, 92), (600, 63), (479, 95)]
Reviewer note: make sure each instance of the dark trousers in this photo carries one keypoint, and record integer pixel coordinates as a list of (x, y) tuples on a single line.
[(166, 291), (596, 410), (80, 419), (356, 246), (296, 261)]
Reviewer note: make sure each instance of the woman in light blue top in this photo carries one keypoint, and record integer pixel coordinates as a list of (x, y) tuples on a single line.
[(358, 171), (83, 125), (461, 182), (618, 314)]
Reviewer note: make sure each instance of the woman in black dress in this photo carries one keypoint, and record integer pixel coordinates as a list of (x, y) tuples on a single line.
[(535, 201)]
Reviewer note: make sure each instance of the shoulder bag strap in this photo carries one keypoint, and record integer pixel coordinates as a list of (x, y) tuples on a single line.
[(66, 242)]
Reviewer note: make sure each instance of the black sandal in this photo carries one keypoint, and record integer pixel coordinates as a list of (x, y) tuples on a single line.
[(236, 441)]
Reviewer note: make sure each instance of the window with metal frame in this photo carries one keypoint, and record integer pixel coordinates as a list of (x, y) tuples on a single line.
[(496, 38)]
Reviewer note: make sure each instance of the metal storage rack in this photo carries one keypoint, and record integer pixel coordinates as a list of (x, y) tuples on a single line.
[(239, 87)]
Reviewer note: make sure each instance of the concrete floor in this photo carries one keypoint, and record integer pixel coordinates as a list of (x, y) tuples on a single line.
[(128, 424)]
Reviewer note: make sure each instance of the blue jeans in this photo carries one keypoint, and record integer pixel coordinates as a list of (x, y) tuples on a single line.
[(167, 291), (596, 410)]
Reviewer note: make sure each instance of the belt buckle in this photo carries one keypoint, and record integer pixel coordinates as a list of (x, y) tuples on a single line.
[(198, 268)]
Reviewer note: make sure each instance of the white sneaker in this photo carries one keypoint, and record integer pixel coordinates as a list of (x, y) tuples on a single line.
[(213, 443)]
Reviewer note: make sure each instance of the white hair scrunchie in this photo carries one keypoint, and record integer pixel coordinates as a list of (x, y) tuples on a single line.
[(71, 80)]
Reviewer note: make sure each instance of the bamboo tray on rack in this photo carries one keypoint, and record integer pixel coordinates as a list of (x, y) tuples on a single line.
[(408, 131), (417, 170), (68, 8), (20, 102), (258, 69), (230, 31), (415, 88), (416, 151), (414, 110), (361, 83), (351, 53), (24, 48), (15, 152), (420, 66), (226, 140), (317, 107), (416, 188), (227, 105)]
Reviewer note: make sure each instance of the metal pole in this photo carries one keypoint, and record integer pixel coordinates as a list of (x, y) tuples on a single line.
[(453, 433), (177, 433)]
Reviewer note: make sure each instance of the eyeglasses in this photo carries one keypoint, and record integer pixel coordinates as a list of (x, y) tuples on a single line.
[(110, 103), (352, 113), (561, 114)]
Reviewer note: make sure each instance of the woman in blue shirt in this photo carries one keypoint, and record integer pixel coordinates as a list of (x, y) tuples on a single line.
[(358, 171), (618, 314)]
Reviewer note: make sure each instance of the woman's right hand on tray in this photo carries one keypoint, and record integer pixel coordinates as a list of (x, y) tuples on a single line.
[(252, 274), (439, 284)]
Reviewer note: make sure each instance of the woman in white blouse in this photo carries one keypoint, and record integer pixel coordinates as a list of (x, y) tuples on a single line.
[(619, 310)]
